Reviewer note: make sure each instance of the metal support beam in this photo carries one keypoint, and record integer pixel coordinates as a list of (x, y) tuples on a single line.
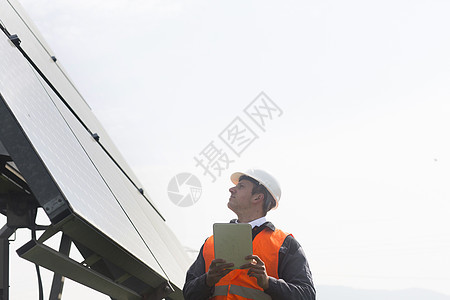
[(58, 279), (4, 269), (52, 260), (5, 233)]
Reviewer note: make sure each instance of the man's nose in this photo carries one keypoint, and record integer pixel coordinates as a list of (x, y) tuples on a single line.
[(232, 190)]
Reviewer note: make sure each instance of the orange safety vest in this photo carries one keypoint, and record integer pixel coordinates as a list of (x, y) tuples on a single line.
[(237, 284)]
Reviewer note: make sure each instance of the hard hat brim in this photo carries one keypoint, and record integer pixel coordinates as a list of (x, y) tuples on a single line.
[(235, 177)]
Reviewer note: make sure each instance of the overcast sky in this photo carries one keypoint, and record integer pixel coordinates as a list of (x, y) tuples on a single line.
[(356, 123)]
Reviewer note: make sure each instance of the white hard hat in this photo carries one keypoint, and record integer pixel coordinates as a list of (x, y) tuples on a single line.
[(264, 178)]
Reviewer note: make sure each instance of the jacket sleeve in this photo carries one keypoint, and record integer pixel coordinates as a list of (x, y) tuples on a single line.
[(295, 277), (195, 287)]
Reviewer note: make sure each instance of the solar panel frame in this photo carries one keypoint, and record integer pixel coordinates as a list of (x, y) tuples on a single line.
[(51, 152), (14, 17), (69, 172)]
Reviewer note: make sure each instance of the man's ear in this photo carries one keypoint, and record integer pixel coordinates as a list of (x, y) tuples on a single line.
[(258, 197)]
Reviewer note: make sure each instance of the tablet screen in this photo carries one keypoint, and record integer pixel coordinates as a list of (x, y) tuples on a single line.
[(233, 242)]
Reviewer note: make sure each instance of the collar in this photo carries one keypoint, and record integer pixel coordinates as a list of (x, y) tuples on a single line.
[(258, 222), (254, 223)]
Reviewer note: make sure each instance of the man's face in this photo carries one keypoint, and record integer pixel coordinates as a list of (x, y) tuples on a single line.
[(240, 198)]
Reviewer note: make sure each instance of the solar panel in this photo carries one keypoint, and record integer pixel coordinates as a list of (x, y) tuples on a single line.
[(84, 191)]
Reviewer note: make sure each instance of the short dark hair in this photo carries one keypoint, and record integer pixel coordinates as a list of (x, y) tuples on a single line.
[(258, 188)]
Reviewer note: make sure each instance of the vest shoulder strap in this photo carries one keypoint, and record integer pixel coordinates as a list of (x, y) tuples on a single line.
[(208, 252), (267, 246)]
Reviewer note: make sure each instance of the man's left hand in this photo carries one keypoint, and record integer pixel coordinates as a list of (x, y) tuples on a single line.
[(257, 269)]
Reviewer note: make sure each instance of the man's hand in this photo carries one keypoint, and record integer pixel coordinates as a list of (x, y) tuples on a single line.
[(218, 269), (257, 269)]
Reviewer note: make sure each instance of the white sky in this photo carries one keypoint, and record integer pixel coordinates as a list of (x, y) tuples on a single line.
[(361, 149)]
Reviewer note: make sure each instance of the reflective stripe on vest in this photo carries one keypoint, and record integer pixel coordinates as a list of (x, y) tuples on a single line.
[(242, 291), (237, 284)]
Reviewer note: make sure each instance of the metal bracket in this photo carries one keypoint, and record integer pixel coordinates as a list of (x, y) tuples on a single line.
[(15, 40), (96, 137), (53, 204)]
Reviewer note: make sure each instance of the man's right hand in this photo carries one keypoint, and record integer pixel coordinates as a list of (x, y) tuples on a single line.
[(218, 269)]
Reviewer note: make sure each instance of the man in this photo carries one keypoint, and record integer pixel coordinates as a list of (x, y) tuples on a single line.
[(277, 270)]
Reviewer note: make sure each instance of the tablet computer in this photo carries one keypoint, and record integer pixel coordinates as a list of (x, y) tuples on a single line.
[(233, 242)]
